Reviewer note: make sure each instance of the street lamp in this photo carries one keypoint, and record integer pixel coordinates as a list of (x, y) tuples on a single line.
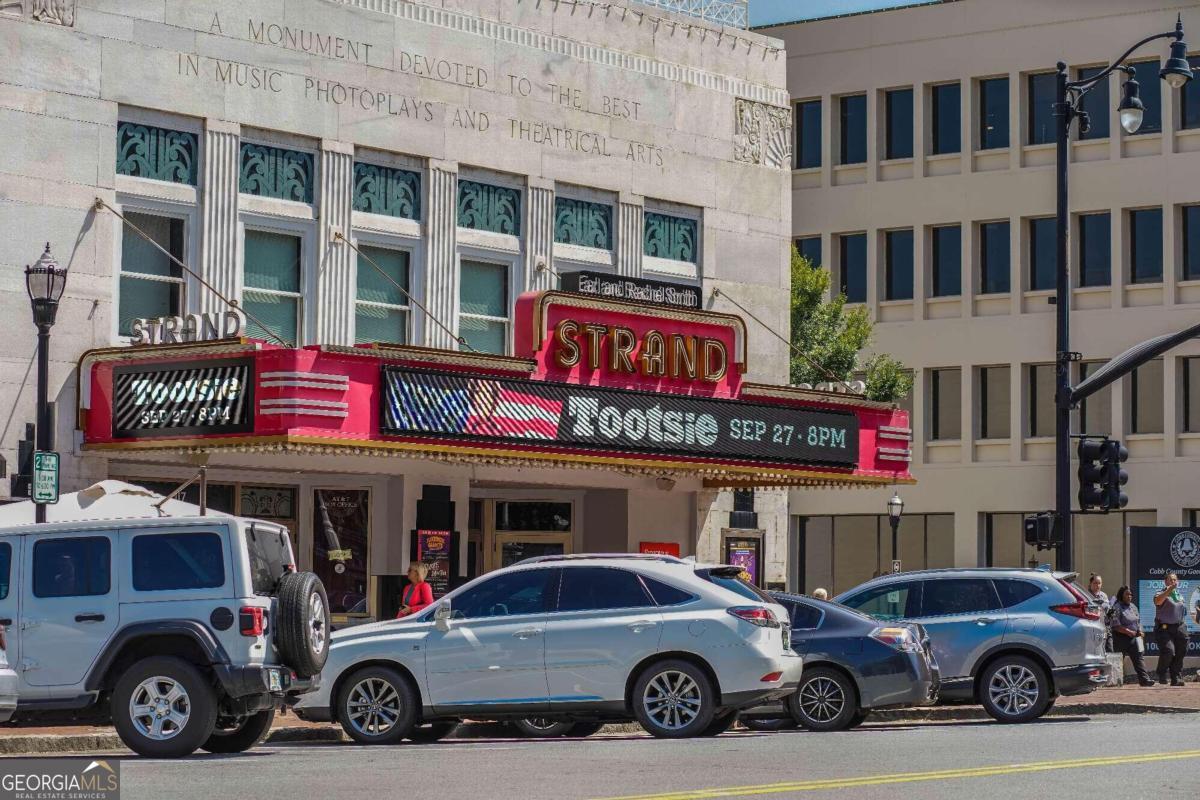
[(895, 508), (1069, 94), (45, 281)]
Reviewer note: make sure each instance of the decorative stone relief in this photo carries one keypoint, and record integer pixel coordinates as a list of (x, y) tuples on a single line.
[(670, 237), (59, 12), (762, 134), (146, 151), (11, 7), (275, 172), (388, 191), (484, 207), (583, 223)]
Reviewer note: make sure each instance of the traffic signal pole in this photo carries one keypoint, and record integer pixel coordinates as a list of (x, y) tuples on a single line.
[(1062, 307)]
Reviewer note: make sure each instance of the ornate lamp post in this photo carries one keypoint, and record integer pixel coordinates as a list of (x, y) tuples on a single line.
[(895, 508), (45, 281)]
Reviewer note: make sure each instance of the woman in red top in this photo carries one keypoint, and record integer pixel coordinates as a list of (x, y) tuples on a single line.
[(418, 595)]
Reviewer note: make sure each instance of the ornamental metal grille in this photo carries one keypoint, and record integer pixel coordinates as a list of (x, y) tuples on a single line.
[(160, 154), (582, 223), (670, 237), (388, 191), (484, 207), (276, 172), (721, 12)]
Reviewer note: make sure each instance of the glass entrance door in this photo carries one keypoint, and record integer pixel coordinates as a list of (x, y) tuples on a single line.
[(513, 530)]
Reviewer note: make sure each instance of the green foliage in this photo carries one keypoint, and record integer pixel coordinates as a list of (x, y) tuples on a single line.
[(886, 378)]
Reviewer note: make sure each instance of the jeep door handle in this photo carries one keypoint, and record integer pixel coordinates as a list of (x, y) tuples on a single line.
[(640, 625), (528, 633), (89, 618)]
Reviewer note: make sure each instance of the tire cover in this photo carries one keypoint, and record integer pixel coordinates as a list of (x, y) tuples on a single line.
[(295, 623)]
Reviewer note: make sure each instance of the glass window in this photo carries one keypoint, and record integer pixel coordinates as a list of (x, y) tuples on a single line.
[(994, 257), (598, 588), (736, 584), (71, 567), (1095, 250), (1146, 398), (808, 134), (993, 113), (1041, 399), (1041, 107), (1043, 253), (151, 283), (809, 248), (890, 601), (513, 552), (853, 279), (512, 593), (272, 285), (899, 109), (995, 403), (1191, 236), (853, 129), (947, 260), (958, 596), (1191, 395), (381, 310), (5, 568), (945, 410), (804, 617), (1095, 104), (270, 553), (1189, 111), (1095, 412), (1150, 90), (947, 112), (664, 594), (1145, 245), (483, 306), (1014, 592), (172, 561), (532, 516), (899, 264)]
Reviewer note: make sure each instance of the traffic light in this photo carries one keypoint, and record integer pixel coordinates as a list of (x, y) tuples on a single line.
[(1041, 532), (1101, 476)]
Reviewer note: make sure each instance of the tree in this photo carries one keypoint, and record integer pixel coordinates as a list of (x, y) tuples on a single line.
[(830, 338)]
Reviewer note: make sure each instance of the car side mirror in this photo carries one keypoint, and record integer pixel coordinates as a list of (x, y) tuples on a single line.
[(441, 616)]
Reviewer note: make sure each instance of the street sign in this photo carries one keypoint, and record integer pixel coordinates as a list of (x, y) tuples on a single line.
[(896, 566), (45, 477)]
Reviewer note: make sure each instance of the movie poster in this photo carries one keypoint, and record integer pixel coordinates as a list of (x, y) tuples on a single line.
[(433, 548), (340, 535), (744, 552)]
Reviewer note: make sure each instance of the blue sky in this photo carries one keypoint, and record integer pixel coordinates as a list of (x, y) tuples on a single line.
[(767, 12)]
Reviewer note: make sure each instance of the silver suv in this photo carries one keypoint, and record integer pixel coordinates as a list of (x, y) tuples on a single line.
[(1010, 639)]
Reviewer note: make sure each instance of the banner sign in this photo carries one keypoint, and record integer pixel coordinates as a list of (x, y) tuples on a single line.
[(181, 399), (659, 548), (417, 402), (433, 548), (1153, 553), (637, 290)]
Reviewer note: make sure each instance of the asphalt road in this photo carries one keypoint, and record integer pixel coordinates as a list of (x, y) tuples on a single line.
[(1150, 756)]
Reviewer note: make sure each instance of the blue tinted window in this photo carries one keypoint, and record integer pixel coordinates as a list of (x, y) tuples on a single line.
[(1095, 103), (993, 113), (1041, 108), (899, 104), (810, 248), (994, 257), (5, 565), (1145, 245), (664, 594), (1191, 242), (808, 134), (1189, 112), (71, 567), (1043, 258), (899, 265), (854, 267), (1095, 253), (507, 594), (854, 129), (947, 261), (1150, 90), (163, 562), (947, 123)]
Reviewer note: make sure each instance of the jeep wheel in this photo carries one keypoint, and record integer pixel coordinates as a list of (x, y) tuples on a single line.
[(302, 629), (241, 735), (162, 707), (674, 700), (376, 705), (1014, 689)]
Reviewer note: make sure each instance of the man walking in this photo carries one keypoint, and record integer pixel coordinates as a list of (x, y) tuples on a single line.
[(1170, 631)]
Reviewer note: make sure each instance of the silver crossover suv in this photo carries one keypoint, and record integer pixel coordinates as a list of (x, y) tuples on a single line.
[(1011, 639)]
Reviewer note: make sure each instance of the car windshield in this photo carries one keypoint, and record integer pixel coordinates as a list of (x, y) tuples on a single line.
[(270, 554)]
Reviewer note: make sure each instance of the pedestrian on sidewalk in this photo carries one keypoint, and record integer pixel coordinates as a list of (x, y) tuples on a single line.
[(1096, 590), (418, 594), (1170, 630), (1128, 638), (821, 594)]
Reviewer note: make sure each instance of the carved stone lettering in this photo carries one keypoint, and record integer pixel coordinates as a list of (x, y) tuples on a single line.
[(762, 134)]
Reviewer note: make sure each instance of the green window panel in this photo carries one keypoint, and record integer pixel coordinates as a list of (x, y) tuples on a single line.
[(387, 191), (374, 287), (483, 290), (280, 315), (484, 335), (151, 284), (145, 299), (484, 207), (276, 172), (160, 154), (670, 237), (380, 324), (583, 223), (271, 275)]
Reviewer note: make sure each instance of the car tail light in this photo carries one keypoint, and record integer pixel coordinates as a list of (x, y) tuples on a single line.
[(755, 615), (251, 621), (899, 638), (1081, 609), (770, 677)]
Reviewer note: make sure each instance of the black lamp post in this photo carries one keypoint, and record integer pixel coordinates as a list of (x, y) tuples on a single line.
[(895, 508), (45, 281), (1176, 72)]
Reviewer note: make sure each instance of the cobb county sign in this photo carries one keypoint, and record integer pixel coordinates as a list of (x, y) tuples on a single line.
[(1153, 553)]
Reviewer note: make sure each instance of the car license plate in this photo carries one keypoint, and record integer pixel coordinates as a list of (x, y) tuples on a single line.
[(274, 681)]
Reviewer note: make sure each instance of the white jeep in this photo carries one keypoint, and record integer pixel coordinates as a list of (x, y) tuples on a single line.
[(185, 632)]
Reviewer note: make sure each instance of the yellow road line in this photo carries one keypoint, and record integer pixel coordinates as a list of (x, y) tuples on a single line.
[(911, 777)]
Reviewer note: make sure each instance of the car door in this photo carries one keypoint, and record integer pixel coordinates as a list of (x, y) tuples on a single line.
[(10, 594), (69, 606), (494, 655), (964, 619), (605, 622), (889, 602)]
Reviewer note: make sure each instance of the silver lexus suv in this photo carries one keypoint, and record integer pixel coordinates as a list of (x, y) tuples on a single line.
[(1010, 639)]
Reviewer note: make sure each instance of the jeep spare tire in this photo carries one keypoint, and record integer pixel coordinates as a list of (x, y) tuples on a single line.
[(302, 623)]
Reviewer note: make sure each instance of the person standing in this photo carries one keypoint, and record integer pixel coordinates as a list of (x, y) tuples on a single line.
[(1170, 630), (1096, 590), (820, 594), (418, 595), (1127, 635)]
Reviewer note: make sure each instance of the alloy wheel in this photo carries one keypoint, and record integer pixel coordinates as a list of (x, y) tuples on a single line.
[(672, 699), (316, 622), (821, 699), (1013, 689), (541, 723), (373, 707), (160, 708)]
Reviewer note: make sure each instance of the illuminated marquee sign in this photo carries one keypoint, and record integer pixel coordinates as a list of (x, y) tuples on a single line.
[(417, 402), (183, 398), (652, 355)]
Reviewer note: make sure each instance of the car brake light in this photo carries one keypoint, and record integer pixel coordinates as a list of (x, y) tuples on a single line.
[(755, 615), (770, 677), (899, 638), (1081, 609), (250, 619)]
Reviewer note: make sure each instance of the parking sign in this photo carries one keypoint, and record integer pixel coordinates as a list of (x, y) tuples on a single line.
[(45, 477)]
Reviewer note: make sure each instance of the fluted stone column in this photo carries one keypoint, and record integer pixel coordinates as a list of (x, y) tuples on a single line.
[(539, 236), (630, 227), (441, 283), (219, 192), (336, 288)]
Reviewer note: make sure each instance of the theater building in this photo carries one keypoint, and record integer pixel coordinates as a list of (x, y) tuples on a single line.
[(462, 281)]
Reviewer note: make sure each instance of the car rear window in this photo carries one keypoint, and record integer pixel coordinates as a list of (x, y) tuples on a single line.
[(664, 594), (735, 582), (174, 561), (804, 616), (270, 557), (599, 588), (1013, 592), (947, 596)]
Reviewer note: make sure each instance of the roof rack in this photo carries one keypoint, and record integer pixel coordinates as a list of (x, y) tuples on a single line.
[(588, 556)]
